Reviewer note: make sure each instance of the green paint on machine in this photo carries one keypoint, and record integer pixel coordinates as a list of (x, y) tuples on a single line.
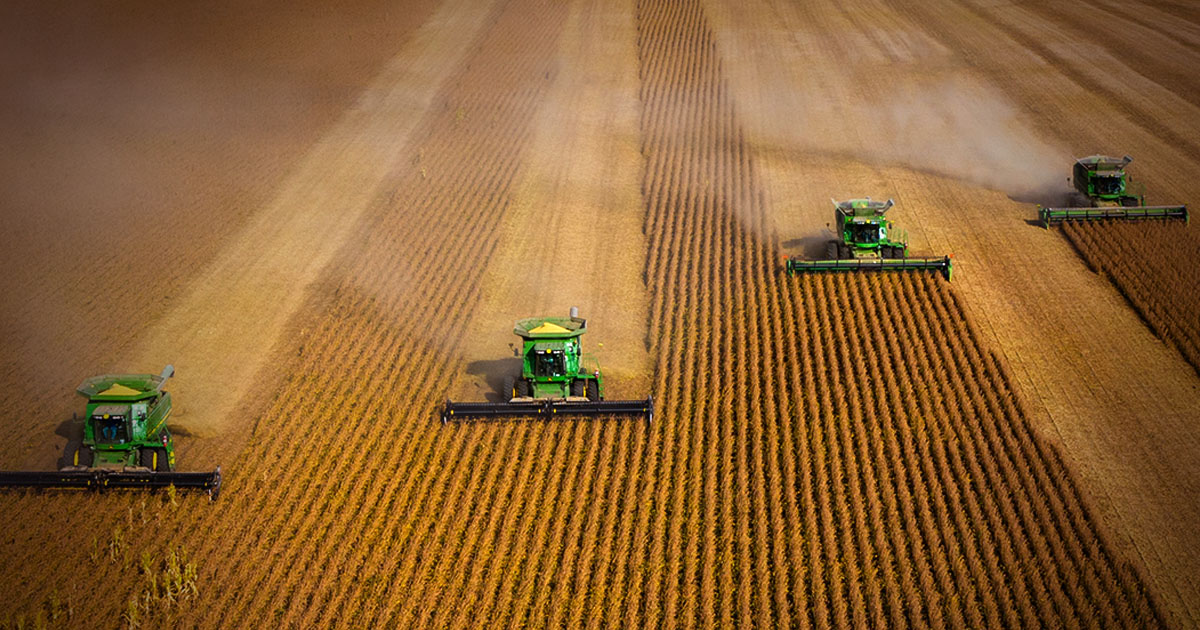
[(1103, 190), (867, 241), (126, 442), (556, 378)]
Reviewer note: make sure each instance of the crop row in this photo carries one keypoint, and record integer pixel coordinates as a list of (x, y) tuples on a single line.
[(346, 506), (833, 450), (1154, 266), (829, 451)]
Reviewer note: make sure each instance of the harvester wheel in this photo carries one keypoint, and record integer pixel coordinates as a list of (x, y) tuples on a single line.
[(146, 458), (578, 387), (68, 456), (84, 456), (593, 390), (831, 250), (521, 388), (164, 461)]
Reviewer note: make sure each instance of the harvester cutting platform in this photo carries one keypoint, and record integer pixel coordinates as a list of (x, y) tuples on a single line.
[(126, 443), (867, 241), (556, 380), (1104, 191)]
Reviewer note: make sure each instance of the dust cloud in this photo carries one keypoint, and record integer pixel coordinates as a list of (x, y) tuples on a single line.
[(974, 135), (953, 127), (895, 96)]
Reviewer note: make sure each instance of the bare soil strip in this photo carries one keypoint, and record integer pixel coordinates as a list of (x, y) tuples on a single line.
[(576, 221), (220, 334)]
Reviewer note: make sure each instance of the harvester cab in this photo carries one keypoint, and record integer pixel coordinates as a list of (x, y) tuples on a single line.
[(1103, 180), (556, 378), (864, 231), (1103, 190), (553, 364), (126, 442), (867, 241), (126, 423)]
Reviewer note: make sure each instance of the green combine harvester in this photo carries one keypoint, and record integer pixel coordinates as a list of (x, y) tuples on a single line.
[(126, 443), (867, 241), (1104, 191), (556, 380)]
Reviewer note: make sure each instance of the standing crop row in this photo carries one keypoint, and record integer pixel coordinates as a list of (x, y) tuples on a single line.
[(829, 451), (1153, 265), (866, 459), (349, 507)]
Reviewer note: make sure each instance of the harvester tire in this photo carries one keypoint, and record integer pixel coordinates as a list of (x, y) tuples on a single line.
[(578, 387), (146, 458), (593, 391), (831, 250), (164, 461), (521, 388), (68, 455), (83, 456)]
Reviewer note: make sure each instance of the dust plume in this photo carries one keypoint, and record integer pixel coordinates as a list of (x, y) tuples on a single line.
[(952, 127), (958, 130), (835, 89)]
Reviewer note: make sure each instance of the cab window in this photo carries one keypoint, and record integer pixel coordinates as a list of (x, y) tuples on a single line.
[(1108, 185), (550, 363), (866, 233), (110, 430)]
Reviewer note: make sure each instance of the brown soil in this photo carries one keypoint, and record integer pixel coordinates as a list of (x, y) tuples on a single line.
[(966, 115), (328, 219)]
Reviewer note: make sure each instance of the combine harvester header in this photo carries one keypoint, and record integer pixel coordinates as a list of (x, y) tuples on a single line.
[(867, 241), (941, 265), (126, 443), (556, 380), (1104, 191)]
